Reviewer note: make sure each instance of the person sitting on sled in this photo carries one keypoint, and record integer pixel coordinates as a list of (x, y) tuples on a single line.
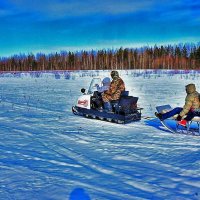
[(192, 104), (117, 86), (190, 116)]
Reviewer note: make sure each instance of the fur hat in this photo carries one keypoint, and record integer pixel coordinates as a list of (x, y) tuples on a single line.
[(190, 88), (114, 74)]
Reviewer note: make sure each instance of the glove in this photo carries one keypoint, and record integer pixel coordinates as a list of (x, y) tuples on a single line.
[(178, 118)]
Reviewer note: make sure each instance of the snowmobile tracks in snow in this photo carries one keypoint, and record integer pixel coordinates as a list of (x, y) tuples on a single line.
[(110, 117)]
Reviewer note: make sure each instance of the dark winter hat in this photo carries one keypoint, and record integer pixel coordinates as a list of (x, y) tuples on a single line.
[(114, 74)]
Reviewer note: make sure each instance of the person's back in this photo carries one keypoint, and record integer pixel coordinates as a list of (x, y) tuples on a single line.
[(191, 101), (117, 86), (191, 106)]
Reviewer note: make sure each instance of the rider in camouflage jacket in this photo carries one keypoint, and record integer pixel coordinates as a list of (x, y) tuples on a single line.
[(117, 86)]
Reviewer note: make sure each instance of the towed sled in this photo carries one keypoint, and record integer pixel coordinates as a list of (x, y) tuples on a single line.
[(124, 110), (192, 127)]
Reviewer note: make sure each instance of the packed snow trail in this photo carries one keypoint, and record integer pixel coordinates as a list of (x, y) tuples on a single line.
[(46, 152)]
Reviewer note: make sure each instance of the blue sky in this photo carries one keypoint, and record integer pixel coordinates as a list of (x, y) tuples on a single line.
[(52, 25)]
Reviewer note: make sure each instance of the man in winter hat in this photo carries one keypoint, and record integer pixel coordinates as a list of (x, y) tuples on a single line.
[(193, 100), (192, 104), (117, 86)]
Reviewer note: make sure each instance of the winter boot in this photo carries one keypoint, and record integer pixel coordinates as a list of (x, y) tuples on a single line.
[(107, 107), (100, 109), (115, 107), (158, 115), (183, 122)]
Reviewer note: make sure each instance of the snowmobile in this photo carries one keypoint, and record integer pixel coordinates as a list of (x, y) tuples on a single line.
[(124, 110)]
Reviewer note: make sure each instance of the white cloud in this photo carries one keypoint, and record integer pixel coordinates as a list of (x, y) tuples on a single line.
[(58, 8)]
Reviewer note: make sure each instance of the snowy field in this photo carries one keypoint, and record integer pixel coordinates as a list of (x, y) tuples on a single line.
[(47, 153)]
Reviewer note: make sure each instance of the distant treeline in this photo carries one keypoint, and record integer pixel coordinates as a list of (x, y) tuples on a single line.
[(185, 56)]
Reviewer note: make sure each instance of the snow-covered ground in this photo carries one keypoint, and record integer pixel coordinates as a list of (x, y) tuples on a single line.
[(47, 153)]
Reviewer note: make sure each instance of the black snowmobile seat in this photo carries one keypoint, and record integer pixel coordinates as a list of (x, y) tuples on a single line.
[(114, 101), (124, 93), (128, 100), (128, 104)]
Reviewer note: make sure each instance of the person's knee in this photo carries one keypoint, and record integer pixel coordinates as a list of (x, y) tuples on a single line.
[(178, 109)]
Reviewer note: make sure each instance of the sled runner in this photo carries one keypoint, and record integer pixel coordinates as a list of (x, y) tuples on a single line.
[(192, 127), (124, 110)]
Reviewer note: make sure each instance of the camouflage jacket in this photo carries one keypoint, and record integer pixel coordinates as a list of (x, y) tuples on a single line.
[(116, 88)]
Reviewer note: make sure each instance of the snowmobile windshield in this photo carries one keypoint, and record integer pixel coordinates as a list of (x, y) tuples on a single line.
[(93, 85)]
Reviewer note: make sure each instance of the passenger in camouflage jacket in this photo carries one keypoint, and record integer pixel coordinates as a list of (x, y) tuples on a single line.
[(117, 86)]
